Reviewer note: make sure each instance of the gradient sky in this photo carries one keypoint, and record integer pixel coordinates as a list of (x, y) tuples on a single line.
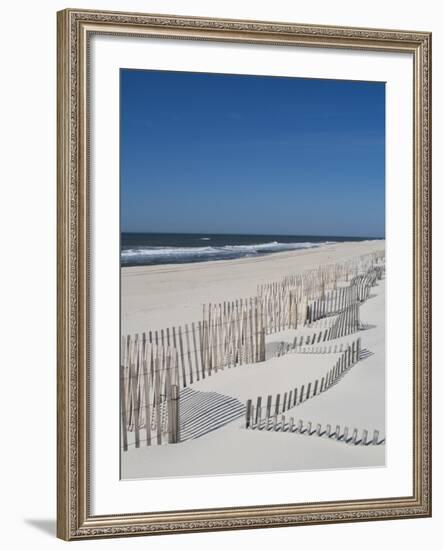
[(210, 153)]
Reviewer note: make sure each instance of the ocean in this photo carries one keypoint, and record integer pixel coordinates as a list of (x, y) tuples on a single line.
[(179, 248)]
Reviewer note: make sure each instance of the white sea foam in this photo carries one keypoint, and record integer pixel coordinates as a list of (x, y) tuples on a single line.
[(157, 254)]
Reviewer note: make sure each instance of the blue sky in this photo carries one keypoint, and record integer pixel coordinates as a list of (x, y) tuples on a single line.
[(210, 153)]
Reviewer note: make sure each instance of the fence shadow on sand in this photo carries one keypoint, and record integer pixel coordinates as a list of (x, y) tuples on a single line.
[(203, 412)]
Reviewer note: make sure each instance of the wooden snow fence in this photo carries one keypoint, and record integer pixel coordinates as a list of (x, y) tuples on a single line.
[(336, 301), (380, 270), (232, 333), (314, 283), (149, 392), (351, 436), (346, 323), (281, 308), (157, 364), (186, 341), (314, 294), (332, 303), (261, 414)]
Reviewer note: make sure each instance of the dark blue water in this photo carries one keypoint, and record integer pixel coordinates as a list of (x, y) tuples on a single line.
[(179, 248)]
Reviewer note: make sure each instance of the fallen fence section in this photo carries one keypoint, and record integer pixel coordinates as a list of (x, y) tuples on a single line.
[(354, 436)]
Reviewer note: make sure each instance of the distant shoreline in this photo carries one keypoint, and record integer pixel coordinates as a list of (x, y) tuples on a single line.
[(143, 250), (245, 259)]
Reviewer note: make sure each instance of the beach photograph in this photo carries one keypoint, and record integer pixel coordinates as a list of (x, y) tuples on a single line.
[(252, 274)]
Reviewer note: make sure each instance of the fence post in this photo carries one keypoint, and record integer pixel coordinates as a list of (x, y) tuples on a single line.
[(258, 413), (277, 404), (302, 391), (173, 415), (135, 408), (123, 408), (147, 403), (268, 407), (248, 412), (194, 343), (157, 398), (285, 397), (257, 338), (263, 345)]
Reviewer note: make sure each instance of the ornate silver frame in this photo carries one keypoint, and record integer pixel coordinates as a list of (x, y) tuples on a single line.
[(75, 28)]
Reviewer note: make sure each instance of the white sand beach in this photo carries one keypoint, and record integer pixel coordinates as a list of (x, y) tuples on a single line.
[(157, 297)]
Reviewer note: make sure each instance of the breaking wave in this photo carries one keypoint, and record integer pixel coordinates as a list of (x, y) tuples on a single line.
[(149, 255)]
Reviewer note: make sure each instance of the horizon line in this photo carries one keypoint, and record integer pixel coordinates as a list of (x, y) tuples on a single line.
[(253, 234)]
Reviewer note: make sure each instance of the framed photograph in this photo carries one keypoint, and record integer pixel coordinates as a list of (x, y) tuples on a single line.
[(244, 316)]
